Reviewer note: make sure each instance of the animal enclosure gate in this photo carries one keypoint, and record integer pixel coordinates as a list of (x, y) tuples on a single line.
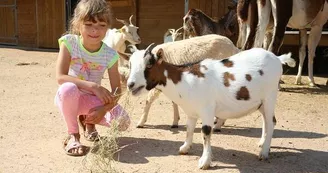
[(8, 19)]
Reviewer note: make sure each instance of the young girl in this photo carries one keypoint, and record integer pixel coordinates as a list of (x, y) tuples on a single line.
[(82, 61)]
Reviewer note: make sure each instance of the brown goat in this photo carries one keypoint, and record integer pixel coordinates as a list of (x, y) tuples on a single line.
[(197, 23)]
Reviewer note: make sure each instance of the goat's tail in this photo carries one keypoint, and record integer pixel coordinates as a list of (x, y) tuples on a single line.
[(287, 59)]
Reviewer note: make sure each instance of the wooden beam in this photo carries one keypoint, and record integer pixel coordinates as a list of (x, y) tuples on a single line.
[(292, 38)]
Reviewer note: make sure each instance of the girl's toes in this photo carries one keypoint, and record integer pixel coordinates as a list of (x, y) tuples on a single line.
[(80, 150)]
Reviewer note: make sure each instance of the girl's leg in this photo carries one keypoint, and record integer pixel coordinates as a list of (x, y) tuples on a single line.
[(67, 99)]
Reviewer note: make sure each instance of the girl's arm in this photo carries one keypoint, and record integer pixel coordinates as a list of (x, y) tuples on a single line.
[(62, 67), (99, 112), (115, 82)]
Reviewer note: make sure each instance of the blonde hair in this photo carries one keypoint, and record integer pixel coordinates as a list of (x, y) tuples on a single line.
[(90, 10)]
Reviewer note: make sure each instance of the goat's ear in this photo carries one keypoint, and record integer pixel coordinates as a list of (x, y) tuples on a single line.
[(124, 55), (159, 55), (132, 48)]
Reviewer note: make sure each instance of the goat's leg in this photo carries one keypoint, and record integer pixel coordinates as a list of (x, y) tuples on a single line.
[(219, 123), (267, 40), (313, 42), (264, 10), (267, 110), (302, 54), (242, 7), (242, 34), (191, 124), (152, 96), (176, 116), (207, 116), (252, 23), (279, 27)]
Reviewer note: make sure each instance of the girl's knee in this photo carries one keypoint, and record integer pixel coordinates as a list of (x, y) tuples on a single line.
[(68, 89)]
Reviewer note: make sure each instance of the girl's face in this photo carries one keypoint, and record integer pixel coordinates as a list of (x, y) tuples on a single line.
[(93, 32)]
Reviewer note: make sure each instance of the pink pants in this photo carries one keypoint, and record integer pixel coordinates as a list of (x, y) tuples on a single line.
[(73, 102)]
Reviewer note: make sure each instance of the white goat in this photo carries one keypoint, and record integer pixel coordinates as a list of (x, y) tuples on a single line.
[(172, 35), (115, 38), (228, 88), (188, 51)]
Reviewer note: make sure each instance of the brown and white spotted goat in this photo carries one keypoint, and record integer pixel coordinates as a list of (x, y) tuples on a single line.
[(184, 52), (228, 88)]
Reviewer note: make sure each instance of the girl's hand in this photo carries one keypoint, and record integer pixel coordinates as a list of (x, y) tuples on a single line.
[(96, 115), (103, 94)]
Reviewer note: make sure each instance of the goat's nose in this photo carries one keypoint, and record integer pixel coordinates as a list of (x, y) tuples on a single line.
[(130, 85)]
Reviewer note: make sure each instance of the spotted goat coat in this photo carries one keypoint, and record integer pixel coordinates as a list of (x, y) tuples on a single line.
[(188, 51), (228, 88)]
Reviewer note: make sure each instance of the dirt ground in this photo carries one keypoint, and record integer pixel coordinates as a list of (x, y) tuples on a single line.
[(32, 130)]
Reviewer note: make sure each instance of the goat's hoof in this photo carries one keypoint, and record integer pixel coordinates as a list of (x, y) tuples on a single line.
[(263, 157), (183, 150), (174, 126), (216, 130), (260, 144), (298, 82), (312, 84), (204, 162), (183, 153)]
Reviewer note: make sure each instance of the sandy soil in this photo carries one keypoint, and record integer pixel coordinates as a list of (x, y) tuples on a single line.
[(32, 130)]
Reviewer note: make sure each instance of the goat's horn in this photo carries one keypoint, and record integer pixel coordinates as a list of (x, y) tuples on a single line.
[(130, 19), (150, 47), (179, 29), (122, 21), (171, 31)]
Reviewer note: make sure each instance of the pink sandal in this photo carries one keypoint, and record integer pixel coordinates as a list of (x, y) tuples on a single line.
[(69, 146)]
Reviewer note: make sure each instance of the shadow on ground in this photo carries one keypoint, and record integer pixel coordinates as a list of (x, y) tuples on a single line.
[(281, 159), (246, 132)]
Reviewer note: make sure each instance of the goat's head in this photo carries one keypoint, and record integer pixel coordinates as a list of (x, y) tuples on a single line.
[(191, 19), (145, 70), (197, 23), (229, 21), (177, 34), (130, 32), (172, 35)]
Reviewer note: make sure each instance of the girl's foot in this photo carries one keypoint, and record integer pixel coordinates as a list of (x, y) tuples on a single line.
[(89, 130), (73, 147), (91, 133)]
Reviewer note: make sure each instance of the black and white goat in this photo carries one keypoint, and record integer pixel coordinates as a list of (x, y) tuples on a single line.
[(228, 88)]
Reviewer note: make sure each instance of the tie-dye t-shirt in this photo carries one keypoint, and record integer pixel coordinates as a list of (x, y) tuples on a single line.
[(85, 65)]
